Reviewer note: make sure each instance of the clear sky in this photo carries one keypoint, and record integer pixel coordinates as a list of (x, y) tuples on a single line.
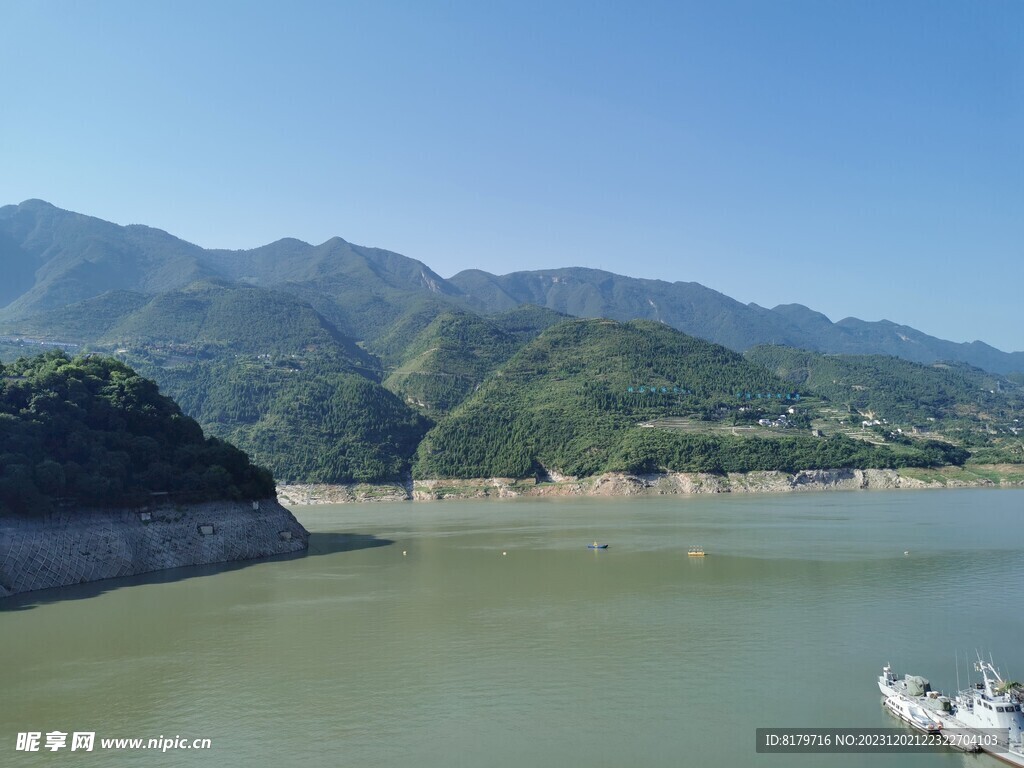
[(862, 158)]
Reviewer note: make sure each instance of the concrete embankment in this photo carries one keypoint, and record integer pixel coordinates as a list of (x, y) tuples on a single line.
[(660, 484), (77, 546)]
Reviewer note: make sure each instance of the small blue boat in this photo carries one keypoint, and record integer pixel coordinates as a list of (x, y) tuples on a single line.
[(595, 545)]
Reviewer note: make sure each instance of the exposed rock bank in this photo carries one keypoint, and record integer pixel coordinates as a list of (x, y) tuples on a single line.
[(318, 493), (672, 483), (77, 546)]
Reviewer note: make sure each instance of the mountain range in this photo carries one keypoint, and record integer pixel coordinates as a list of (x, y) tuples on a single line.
[(336, 363), (57, 260)]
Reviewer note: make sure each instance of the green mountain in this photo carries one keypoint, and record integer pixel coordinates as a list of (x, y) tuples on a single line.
[(53, 258), (448, 359), (526, 321), (710, 315), (523, 323), (391, 345), (266, 371), (900, 389), (438, 358), (979, 409), (208, 317), (257, 367), (361, 290), (261, 347), (205, 318), (580, 292), (80, 322), (589, 396), (859, 337), (309, 419), (92, 431)]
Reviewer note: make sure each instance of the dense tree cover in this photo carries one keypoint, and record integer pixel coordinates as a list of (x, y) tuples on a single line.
[(448, 359), (662, 450), (391, 345), (310, 420), (90, 430), (437, 357), (54, 258), (895, 388), (82, 321), (981, 411), (700, 311), (204, 320), (213, 316), (563, 401), (526, 321), (517, 393)]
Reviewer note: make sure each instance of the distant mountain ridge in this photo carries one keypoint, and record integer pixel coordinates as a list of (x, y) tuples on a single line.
[(54, 259), (708, 314)]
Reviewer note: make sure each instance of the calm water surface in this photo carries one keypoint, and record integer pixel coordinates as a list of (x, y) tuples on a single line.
[(407, 637)]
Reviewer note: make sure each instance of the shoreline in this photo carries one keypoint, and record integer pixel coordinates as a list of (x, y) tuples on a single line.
[(85, 545), (658, 484)]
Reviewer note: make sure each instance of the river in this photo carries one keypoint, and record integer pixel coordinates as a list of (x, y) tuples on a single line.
[(487, 634)]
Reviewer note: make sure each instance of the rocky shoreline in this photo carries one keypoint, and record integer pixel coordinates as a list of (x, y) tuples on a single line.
[(78, 546), (672, 483)]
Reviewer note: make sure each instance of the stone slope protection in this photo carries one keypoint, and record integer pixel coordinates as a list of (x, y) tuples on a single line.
[(102, 476)]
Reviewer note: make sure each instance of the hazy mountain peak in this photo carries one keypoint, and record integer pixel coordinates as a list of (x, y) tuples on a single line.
[(53, 258), (35, 203), (333, 242)]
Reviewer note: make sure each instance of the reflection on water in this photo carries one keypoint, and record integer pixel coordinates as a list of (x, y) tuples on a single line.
[(440, 650)]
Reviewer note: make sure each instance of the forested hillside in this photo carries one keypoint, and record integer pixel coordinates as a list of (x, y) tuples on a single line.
[(309, 420), (583, 398), (977, 409), (91, 431), (340, 363), (899, 389), (435, 358), (709, 314), (54, 258)]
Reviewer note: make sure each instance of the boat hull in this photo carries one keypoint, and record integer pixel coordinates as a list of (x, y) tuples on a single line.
[(901, 703), (911, 714)]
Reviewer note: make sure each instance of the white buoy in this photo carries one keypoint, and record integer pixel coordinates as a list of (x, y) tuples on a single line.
[(504, 553), (906, 552), (403, 553)]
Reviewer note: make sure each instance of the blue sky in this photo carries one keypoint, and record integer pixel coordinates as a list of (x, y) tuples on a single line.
[(861, 158)]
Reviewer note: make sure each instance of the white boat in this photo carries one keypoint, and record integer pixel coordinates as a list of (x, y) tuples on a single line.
[(913, 714), (991, 708), (917, 689), (993, 704)]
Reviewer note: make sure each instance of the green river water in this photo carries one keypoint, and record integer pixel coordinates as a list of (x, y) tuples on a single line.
[(407, 638)]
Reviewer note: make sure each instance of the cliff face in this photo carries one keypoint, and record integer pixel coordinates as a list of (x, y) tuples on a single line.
[(87, 545)]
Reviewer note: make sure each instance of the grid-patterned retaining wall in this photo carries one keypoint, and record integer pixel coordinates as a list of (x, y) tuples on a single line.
[(76, 546)]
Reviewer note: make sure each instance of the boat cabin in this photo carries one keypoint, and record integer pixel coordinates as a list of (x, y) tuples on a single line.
[(990, 705)]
